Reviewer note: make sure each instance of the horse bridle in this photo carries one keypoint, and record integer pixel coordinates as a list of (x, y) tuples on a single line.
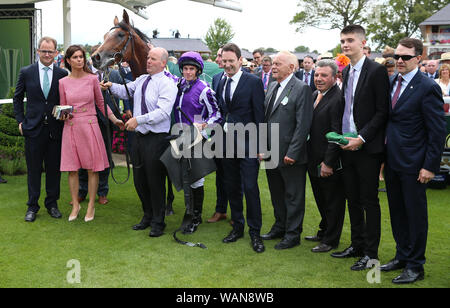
[(120, 54)]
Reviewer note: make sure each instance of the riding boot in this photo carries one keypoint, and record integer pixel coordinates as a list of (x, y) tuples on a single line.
[(198, 195), (170, 198)]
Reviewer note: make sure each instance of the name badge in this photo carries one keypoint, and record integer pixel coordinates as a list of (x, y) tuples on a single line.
[(285, 101)]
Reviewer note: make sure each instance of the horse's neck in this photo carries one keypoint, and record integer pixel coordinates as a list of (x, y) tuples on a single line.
[(138, 64)]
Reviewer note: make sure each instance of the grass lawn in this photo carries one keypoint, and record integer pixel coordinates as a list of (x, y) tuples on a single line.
[(111, 254)]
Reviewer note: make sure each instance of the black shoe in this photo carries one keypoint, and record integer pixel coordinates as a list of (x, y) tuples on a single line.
[(30, 216), (156, 233), (363, 264), (409, 276), (54, 212), (141, 226), (392, 265), (233, 236), (272, 235), (322, 248), (257, 243), (2, 181), (285, 244), (313, 238), (349, 252)]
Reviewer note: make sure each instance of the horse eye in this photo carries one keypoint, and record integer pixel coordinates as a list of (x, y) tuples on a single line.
[(121, 34)]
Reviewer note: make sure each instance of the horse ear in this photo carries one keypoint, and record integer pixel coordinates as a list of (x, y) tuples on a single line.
[(125, 17), (116, 21)]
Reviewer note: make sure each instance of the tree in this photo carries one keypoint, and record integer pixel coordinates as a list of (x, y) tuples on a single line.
[(396, 19), (330, 14), (218, 35), (301, 48)]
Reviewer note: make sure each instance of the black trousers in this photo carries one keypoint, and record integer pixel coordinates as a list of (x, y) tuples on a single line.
[(330, 199), (287, 192), (361, 177), (149, 176), (221, 194), (409, 218), (43, 151), (241, 177)]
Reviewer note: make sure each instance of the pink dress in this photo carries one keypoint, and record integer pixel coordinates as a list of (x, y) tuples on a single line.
[(82, 142)]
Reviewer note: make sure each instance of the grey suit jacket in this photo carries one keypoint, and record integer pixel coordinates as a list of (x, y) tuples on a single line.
[(293, 111)]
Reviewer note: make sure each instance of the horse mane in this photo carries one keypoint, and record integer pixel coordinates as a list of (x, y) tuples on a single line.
[(126, 27)]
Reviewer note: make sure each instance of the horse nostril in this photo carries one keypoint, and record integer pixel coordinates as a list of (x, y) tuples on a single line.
[(97, 57)]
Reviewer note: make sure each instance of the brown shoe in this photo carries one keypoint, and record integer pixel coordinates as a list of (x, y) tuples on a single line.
[(102, 200), (217, 217)]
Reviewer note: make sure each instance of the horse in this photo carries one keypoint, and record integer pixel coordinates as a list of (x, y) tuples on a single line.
[(126, 43)]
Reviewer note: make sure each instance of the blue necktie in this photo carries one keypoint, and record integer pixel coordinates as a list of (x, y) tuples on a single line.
[(348, 102), (144, 108), (46, 83), (228, 91)]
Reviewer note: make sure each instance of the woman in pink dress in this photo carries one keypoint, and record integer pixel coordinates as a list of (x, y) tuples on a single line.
[(82, 142)]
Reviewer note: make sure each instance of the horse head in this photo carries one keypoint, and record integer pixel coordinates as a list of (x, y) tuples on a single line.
[(123, 43)]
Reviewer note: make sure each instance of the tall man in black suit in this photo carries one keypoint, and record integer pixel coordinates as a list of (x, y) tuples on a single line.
[(364, 112), (241, 97), (324, 164), (289, 105), (414, 141), (41, 130)]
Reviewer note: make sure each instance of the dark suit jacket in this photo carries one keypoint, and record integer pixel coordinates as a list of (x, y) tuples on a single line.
[(294, 119), (299, 75), (370, 104), (247, 103), (37, 106), (216, 80), (325, 120), (416, 129)]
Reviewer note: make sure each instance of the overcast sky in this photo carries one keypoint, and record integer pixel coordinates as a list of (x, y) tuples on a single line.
[(262, 23)]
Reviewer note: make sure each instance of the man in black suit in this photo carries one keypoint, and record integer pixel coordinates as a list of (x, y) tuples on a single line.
[(414, 141), (266, 73), (289, 106), (241, 97), (364, 112), (307, 73), (324, 164), (432, 69), (41, 130)]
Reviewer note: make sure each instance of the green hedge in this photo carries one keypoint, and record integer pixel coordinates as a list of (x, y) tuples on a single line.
[(11, 141), (11, 152), (9, 126), (7, 110)]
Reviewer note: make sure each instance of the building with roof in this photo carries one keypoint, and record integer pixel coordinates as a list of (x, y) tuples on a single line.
[(177, 46), (436, 33)]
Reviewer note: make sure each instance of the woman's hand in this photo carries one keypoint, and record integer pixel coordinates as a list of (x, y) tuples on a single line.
[(119, 124)]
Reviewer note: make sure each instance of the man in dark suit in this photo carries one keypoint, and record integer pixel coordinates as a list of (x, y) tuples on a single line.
[(364, 112), (432, 69), (41, 130), (307, 73), (324, 164), (266, 73), (289, 106), (241, 97), (414, 142)]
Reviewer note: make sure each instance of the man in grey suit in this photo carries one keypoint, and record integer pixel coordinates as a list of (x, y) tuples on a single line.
[(289, 105)]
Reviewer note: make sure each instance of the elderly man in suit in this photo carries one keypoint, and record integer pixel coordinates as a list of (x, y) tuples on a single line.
[(415, 141), (289, 105), (241, 97), (364, 113), (41, 130), (324, 164)]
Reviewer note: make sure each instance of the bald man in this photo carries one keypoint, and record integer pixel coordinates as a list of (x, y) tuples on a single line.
[(154, 95)]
